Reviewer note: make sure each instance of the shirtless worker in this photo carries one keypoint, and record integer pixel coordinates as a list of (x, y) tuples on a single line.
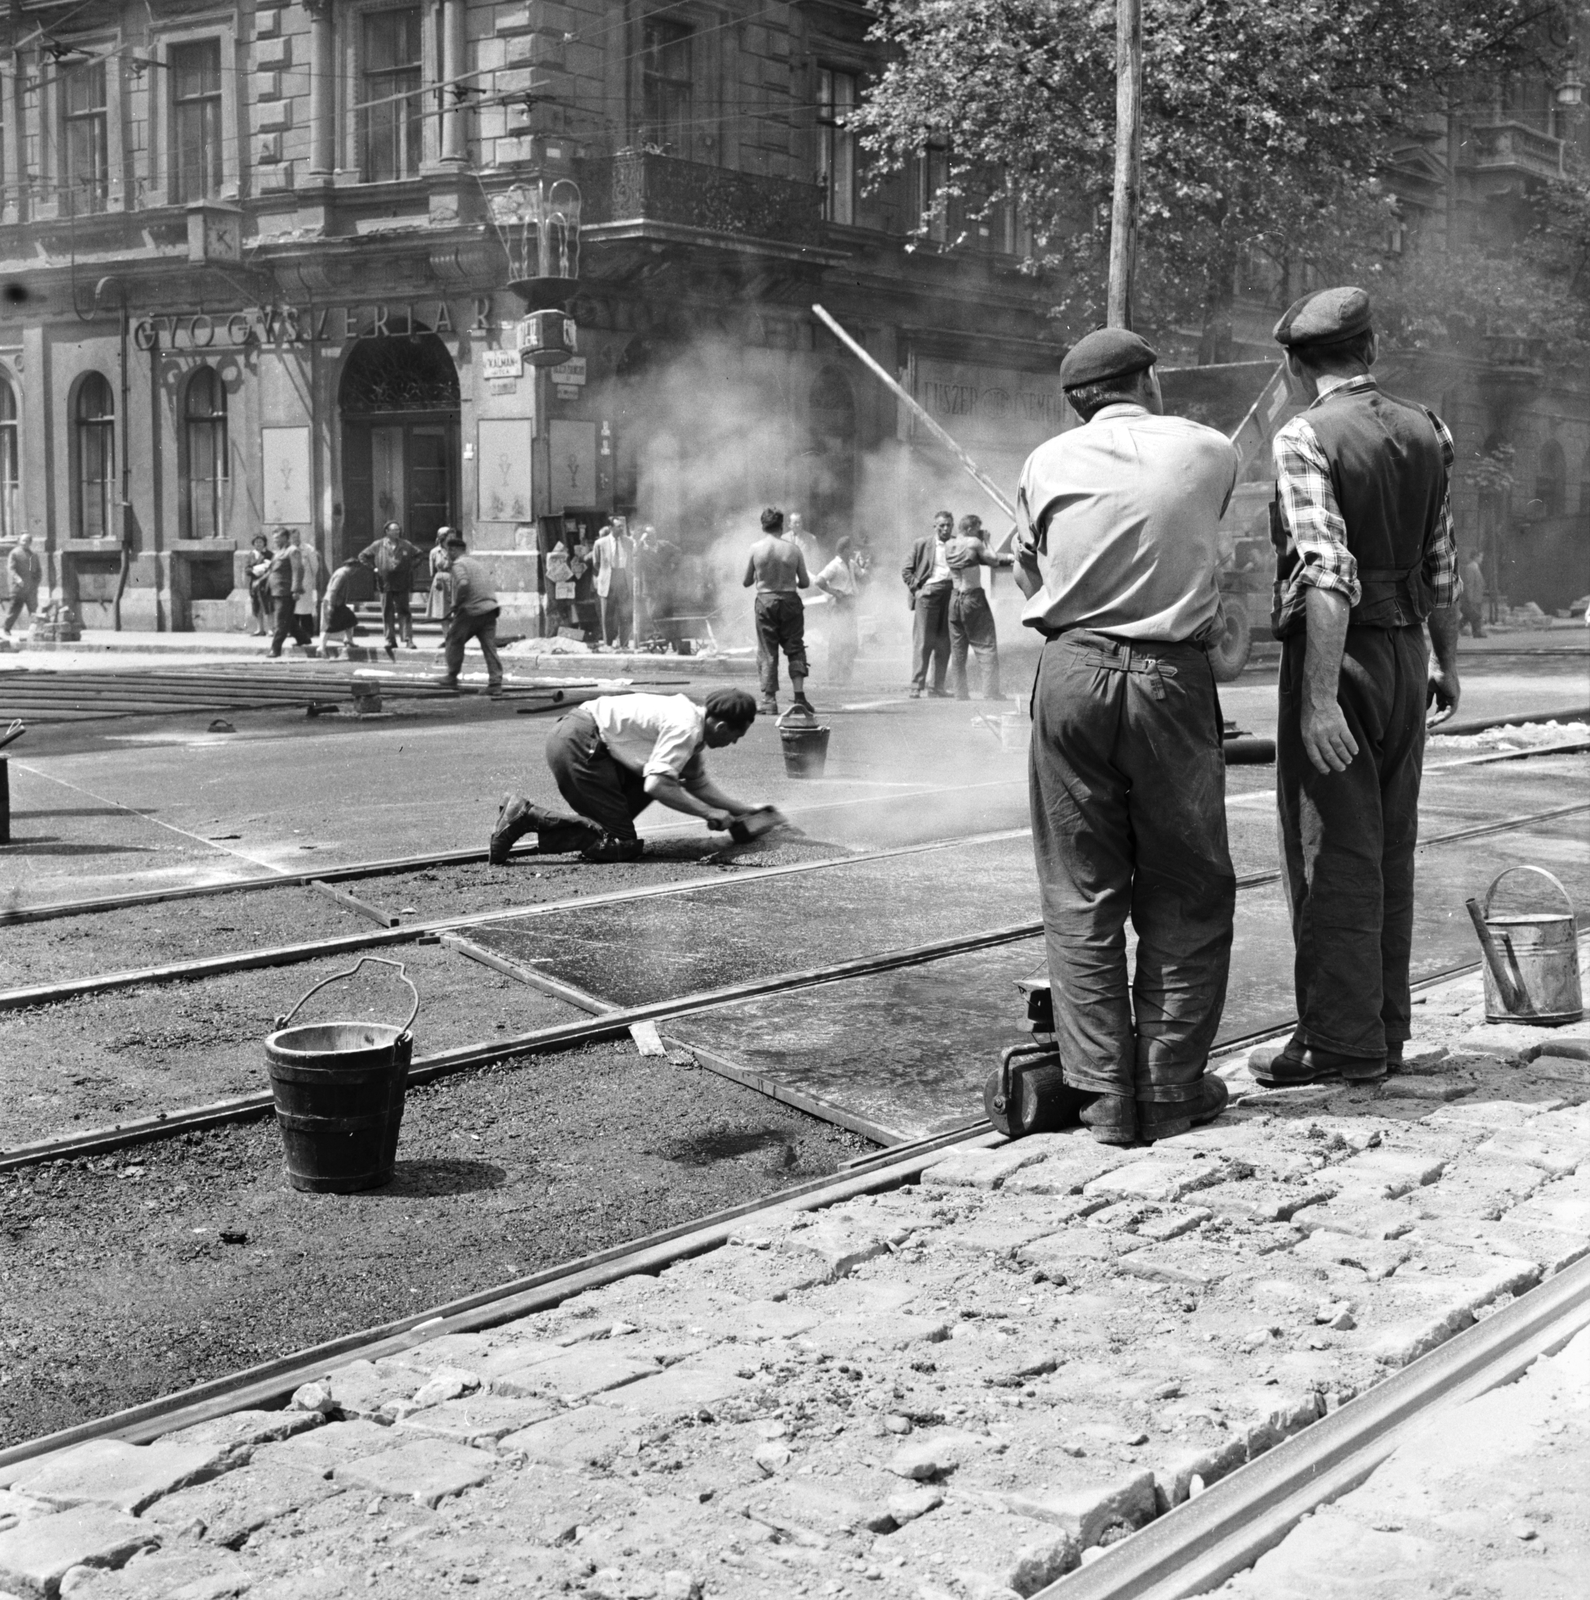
[(613, 756), (777, 569)]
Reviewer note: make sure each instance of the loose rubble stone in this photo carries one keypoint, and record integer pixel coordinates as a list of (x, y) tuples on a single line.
[(127, 1477), (427, 1471), (36, 1554), (981, 1169), (906, 1505), (836, 1249), (925, 1458), (1086, 1514)]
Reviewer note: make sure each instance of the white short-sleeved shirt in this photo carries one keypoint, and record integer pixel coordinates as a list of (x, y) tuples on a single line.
[(838, 575), (656, 735)]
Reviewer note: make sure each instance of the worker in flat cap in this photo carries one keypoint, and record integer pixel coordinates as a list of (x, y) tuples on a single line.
[(1117, 552), (1362, 524)]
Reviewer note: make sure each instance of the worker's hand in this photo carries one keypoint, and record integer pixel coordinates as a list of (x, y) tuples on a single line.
[(1445, 691), (1327, 739), (719, 821)]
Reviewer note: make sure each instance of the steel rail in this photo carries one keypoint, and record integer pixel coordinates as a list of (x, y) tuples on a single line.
[(397, 864), (275, 1380), (288, 955), (813, 1105), (1197, 1545), (339, 944)]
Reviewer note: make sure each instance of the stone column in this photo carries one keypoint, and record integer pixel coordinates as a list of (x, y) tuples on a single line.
[(455, 107), (322, 90)]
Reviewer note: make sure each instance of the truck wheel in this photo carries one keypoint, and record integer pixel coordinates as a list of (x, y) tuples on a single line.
[(1229, 655)]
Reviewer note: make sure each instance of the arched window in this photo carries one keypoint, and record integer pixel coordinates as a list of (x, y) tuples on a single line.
[(10, 462), (204, 455), (1551, 480), (94, 459)]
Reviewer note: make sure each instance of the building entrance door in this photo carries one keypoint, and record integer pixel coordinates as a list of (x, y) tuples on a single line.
[(399, 402)]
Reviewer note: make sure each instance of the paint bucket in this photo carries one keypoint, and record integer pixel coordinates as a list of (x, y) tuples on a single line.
[(339, 1090), (805, 750), (1531, 959)]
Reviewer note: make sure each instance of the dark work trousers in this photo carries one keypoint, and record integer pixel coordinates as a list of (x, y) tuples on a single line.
[(1347, 842), (464, 626), (593, 783), (972, 624), (930, 637), (22, 599), (1128, 785), (397, 612), (286, 621), (780, 625)]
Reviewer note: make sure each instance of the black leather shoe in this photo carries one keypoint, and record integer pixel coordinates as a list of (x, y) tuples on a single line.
[(1394, 1055), (1110, 1118), (1289, 1065), (1165, 1119)]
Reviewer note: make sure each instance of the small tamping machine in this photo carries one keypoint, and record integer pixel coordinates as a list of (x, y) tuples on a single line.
[(1028, 1093)]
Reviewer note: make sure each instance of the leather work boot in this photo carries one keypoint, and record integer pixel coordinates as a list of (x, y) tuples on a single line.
[(1164, 1120), (515, 818), (607, 848), (1394, 1055), (1110, 1118), (1286, 1066)]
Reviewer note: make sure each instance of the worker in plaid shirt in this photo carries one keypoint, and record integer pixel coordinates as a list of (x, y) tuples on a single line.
[(1362, 525)]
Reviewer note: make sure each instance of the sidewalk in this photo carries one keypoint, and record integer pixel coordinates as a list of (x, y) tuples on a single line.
[(176, 648), (950, 1391)]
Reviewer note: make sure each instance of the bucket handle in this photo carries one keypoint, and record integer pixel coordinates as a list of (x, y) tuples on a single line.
[(1539, 871), (385, 961)]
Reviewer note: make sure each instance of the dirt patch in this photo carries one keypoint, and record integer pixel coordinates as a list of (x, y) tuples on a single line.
[(135, 1275)]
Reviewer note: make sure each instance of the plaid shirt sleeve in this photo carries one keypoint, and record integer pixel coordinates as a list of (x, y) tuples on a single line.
[(1440, 557), (1308, 505)]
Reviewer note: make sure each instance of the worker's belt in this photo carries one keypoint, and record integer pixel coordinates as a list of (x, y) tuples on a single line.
[(1146, 657)]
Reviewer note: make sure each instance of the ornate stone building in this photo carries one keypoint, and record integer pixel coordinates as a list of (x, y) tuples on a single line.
[(256, 257)]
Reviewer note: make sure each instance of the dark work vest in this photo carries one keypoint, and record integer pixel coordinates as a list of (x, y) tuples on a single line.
[(1389, 476)]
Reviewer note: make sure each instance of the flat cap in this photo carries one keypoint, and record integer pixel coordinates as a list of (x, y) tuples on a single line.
[(1325, 317), (1105, 353)]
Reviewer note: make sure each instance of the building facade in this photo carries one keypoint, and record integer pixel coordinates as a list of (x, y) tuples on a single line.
[(255, 266)]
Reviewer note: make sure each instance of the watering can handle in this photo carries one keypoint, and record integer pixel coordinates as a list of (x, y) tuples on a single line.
[(1540, 871), (402, 972)]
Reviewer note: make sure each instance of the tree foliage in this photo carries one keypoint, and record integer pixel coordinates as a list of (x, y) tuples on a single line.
[(1267, 124)]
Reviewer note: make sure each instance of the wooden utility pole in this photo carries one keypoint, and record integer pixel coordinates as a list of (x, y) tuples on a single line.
[(1128, 144)]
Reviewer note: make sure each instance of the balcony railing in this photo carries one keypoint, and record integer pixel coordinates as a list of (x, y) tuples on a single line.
[(1516, 147), (638, 186)]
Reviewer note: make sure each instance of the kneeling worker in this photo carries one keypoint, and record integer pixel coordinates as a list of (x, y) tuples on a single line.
[(1117, 551), (613, 756)]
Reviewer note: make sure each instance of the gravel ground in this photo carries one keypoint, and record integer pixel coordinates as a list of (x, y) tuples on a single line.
[(170, 1263), (179, 930)]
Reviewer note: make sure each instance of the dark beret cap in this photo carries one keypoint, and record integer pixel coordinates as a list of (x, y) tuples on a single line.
[(1105, 353), (1325, 317)]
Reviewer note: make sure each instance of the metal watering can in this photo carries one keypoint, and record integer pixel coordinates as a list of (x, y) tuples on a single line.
[(1531, 959)]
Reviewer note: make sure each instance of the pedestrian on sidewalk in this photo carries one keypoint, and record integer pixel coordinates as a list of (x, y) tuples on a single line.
[(23, 576), (613, 756), (283, 583), (438, 598), (1472, 600), (474, 615), (1118, 546), (971, 617), (615, 553), (336, 615), (840, 580), (393, 559), (1365, 558), (778, 570), (259, 600), (929, 584), (307, 606)]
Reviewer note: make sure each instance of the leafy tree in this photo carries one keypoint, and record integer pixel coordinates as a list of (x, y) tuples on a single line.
[(1267, 127)]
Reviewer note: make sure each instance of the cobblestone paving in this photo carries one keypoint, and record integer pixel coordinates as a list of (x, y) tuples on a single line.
[(955, 1389)]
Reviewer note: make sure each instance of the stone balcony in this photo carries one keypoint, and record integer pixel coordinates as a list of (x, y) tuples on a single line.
[(641, 187), (1515, 148)]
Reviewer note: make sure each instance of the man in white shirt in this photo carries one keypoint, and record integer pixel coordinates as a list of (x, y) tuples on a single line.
[(841, 582), (613, 756)]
